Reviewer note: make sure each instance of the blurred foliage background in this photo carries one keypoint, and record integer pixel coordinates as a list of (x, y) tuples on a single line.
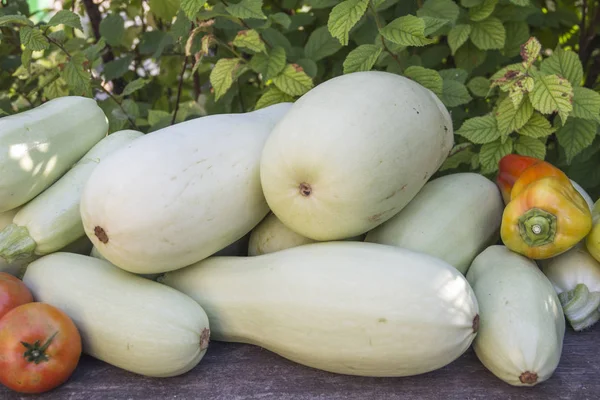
[(517, 75)]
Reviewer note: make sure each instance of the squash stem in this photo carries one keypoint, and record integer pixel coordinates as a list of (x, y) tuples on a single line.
[(581, 307), (16, 243)]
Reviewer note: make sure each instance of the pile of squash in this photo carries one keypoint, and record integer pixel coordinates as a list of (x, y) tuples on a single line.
[(312, 229)]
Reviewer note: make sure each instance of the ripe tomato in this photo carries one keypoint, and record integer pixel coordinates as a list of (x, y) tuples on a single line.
[(40, 347), (13, 293)]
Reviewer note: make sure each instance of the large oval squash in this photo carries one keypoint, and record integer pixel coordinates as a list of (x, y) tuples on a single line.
[(345, 307), (125, 320), (522, 325), (453, 217), (352, 152), (181, 193)]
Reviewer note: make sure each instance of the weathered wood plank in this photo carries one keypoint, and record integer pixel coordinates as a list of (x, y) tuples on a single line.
[(235, 371)]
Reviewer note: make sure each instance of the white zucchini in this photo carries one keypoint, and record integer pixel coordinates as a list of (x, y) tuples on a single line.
[(272, 235), (124, 320), (576, 279), (453, 217), (16, 266), (352, 152), (39, 145), (52, 220), (181, 193), (345, 307), (521, 326)]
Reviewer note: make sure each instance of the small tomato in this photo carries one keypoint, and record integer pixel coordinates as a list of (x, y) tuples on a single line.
[(40, 348), (13, 293)]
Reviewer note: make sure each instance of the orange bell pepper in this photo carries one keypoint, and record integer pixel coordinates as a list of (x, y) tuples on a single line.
[(544, 215), (592, 242)]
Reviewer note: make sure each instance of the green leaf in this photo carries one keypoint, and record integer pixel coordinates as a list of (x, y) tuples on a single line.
[(112, 28), (134, 86), (469, 57), (117, 68), (67, 18), (93, 52), (281, 19), (164, 9), (33, 39), (221, 76), (428, 78), (586, 103), (406, 31), (470, 3), (321, 44), (269, 65), (155, 116), (454, 93), (6, 20), (480, 130), (483, 10), (247, 9), (181, 26), (55, 89), (479, 86), (461, 154), (58, 36), (249, 39), (575, 136), (191, 7), (517, 33), (552, 93), (26, 57), (530, 52), (521, 3), (491, 153), (457, 36), (537, 127), (76, 76), (344, 16), (440, 9), (432, 24), (293, 80), (362, 58), (457, 74), (528, 146), (565, 64), (309, 66), (272, 96), (488, 34), (511, 118)]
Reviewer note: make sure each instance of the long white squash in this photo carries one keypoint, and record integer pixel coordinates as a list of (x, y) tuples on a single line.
[(272, 235), (125, 320), (52, 220), (181, 193), (521, 326), (453, 217), (345, 307), (352, 152), (39, 145), (16, 266)]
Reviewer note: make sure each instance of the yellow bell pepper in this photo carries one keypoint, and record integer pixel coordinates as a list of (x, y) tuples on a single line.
[(592, 242), (545, 216)]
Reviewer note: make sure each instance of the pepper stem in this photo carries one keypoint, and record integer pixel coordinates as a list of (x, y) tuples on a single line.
[(15, 243), (35, 353), (537, 227), (581, 307)]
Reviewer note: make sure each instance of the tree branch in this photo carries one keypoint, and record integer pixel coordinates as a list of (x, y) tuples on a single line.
[(95, 18), (179, 88)]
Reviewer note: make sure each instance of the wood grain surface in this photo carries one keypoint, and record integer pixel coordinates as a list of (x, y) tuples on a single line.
[(232, 371)]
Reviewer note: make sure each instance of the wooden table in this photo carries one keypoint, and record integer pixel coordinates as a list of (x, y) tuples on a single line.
[(231, 371)]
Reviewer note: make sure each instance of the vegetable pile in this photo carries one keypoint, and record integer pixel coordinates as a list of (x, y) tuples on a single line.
[(319, 230)]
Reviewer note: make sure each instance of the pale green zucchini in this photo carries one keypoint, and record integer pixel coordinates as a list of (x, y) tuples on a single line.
[(39, 145), (52, 220)]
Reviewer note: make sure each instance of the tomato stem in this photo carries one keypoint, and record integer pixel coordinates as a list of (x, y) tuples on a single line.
[(35, 353)]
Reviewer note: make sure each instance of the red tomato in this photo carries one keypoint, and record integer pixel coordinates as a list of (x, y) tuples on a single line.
[(13, 293), (40, 347)]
